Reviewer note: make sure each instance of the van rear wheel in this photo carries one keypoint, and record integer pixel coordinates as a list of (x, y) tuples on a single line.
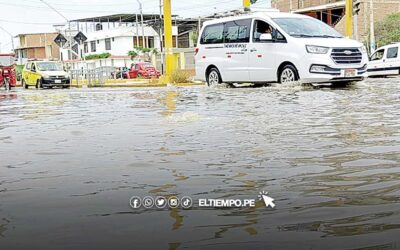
[(288, 74), (213, 77)]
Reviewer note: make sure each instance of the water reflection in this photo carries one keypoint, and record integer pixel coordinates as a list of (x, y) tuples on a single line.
[(330, 158)]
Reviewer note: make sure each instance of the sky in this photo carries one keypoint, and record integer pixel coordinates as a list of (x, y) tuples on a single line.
[(32, 16)]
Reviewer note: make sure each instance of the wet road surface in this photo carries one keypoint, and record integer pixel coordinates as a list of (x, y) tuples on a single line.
[(71, 159)]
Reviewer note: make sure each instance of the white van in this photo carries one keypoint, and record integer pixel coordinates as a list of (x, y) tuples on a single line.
[(385, 61), (279, 47)]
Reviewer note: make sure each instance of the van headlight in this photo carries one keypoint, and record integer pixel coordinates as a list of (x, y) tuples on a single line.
[(316, 49)]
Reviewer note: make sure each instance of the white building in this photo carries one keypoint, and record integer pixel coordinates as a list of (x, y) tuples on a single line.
[(119, 34)]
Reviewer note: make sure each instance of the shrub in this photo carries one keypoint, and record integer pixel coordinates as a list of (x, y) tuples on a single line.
[(98, 56), (180, 76), (387, 31)]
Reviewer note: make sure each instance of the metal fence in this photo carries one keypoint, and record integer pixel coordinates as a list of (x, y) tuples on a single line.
[(98, 76)]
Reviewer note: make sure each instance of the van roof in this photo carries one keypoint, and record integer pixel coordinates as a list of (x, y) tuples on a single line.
[(260, 14)]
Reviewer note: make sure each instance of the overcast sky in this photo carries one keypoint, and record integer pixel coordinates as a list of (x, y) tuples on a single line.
[(32, 16)]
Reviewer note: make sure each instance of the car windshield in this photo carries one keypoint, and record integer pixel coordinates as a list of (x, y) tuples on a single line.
[(49, 66), (307, 27)]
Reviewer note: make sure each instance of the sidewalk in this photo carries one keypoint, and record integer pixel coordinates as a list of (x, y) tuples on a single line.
[(124, 83)]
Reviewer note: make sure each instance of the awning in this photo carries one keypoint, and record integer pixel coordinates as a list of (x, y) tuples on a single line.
[(330, 6)]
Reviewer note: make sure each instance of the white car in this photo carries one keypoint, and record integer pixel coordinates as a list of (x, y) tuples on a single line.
[(385, 61), (265, 47)]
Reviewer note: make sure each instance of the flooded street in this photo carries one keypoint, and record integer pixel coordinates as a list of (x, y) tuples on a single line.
[(70, 160)]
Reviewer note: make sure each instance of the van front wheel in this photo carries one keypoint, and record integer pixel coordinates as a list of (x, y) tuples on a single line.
[(288, 74), (213, 77)]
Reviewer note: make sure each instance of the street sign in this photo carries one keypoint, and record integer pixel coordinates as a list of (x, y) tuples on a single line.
[(80, 38), (60, 40)]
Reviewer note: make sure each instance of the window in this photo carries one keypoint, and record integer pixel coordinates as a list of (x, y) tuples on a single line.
[(237, 31), (28, 66), (137, 66), (108, 44), (113, 39), (377, 55), (93, 46), (33, 67), (392, 53), (260, 28), (304, 27), (213, 34), (151, 42), (85, 47)]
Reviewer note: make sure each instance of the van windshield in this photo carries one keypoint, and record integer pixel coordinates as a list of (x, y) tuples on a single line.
[(307, 27), (49, 66)]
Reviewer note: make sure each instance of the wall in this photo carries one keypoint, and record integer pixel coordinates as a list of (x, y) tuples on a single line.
[(382, 8), (284, 5), (35, 46)]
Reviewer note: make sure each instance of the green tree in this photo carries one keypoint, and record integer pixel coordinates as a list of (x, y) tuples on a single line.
[(133, 54), (387, 31)]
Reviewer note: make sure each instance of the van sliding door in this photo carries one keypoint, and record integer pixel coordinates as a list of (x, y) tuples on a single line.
[(235, 58), (262, 54)]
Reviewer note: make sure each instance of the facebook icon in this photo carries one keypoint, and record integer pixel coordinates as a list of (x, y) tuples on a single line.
[(135, 202)]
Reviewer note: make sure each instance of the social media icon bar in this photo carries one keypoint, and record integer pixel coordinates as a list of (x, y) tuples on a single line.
[(135, 202), (186, 202), (173, 202), (161, 202), (148, 202)]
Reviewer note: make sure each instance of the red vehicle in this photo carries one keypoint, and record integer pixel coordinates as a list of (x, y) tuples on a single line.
[(143, 69), (8, 77)]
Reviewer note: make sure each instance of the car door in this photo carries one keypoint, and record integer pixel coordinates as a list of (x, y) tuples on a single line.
[(235, 64), (32, 74), (391, 61), (25, 72), (377, 65), (262, 57)]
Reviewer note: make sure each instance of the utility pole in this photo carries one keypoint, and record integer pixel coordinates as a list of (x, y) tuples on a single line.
[(137, 31), (246, 4), (349, 18), (69, 25), (168, 39), (372, 26), (12, 38), (142, 23), (161, 38)]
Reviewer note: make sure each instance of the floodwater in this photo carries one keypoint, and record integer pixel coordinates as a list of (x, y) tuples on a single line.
[(70, 160)]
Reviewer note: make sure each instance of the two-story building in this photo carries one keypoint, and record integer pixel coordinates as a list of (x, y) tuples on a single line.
[(39, 46)]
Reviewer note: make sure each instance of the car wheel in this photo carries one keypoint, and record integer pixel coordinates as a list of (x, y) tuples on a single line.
[(288, 74), (6, 84), (24, 85), (39, 84), (213, 77)]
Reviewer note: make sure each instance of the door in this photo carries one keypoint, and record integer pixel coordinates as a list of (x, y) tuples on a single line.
[(377, 65), (25, 72), (32, 75), (391, 61), (235, 58), (262, 58)]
